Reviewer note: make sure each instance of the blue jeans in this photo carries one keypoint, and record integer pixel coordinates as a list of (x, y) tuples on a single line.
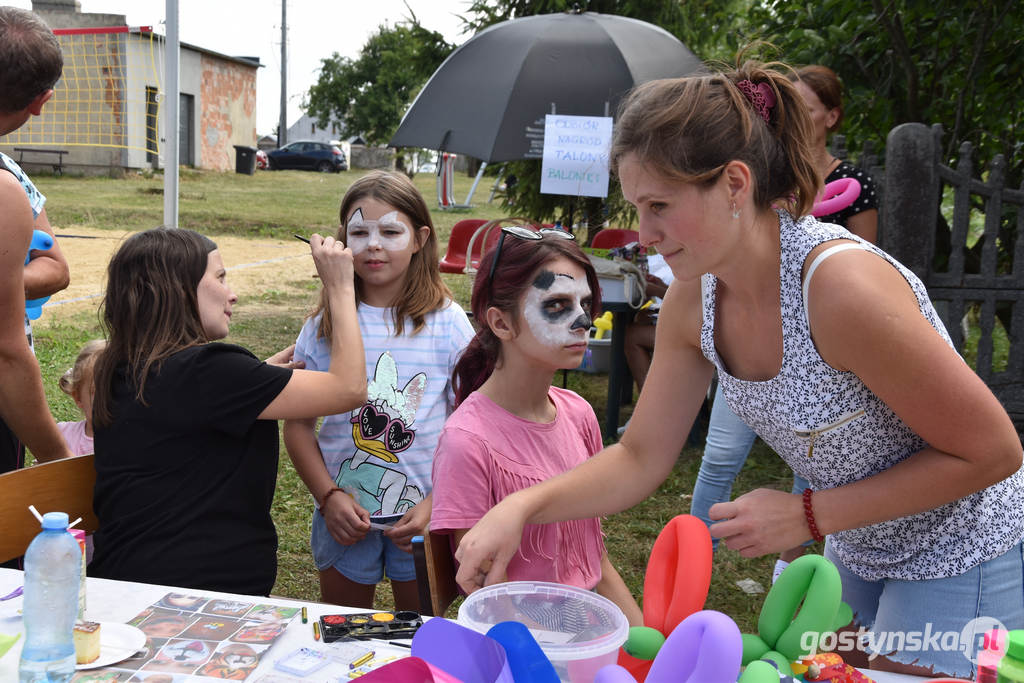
[(936, 623), (366, 561), (726, 449)]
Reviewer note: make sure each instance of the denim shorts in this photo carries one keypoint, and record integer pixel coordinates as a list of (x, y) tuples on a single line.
[(365, 562), (937, 623)]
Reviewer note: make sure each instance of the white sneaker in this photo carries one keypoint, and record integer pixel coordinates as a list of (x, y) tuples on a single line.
[(780, 566)]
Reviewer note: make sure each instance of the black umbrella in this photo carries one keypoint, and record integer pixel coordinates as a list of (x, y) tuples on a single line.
[(489, 98)]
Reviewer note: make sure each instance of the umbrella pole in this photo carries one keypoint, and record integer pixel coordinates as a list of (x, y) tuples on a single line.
[(497, 183), (476, 181)]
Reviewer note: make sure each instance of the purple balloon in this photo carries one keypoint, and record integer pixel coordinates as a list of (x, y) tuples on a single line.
[(706, 647), (461, 652), (613, 673)]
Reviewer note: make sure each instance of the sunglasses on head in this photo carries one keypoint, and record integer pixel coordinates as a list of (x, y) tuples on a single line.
[(523, 233)]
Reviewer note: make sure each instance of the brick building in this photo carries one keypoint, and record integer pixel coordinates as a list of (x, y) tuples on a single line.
[(109, 113)]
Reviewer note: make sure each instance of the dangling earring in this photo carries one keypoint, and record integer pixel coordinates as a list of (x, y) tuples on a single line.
[(735, 211)]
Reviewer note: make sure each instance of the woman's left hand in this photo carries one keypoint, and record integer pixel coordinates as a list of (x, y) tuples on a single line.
[(285, 358), (760, 522), (413, 523)]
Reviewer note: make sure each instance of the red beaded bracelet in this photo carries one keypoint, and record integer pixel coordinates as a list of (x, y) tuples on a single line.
[(327, 495), (809, 514)]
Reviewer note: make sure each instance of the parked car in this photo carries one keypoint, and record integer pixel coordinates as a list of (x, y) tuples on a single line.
[(428, 167), (261, 159), (308, 155)]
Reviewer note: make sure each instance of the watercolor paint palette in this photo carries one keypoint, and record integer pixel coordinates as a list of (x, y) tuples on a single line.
[(384, 625)]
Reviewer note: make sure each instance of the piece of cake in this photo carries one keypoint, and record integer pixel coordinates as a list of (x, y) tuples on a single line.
[(87, 642)]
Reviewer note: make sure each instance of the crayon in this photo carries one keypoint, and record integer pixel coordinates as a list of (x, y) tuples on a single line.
[(305, 616), (316, 630), (360, 660)]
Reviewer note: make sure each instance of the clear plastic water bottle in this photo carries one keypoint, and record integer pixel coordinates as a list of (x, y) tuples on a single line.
[(52, 572)]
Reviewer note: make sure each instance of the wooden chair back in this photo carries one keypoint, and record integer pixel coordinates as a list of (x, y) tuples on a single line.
[(435, 573), (58, 486)]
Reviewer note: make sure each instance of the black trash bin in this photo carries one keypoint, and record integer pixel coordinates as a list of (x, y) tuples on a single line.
[(245, 159)]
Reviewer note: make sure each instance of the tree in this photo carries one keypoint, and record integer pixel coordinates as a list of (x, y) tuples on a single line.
[(958, 64), (370, 94), (954, 63)]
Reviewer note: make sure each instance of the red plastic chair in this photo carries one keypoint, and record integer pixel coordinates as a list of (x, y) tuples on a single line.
[(485, 237), (454, 260), (609, 238)]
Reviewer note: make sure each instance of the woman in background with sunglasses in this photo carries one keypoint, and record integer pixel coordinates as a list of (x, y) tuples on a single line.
[(534, 297), (369, 470)]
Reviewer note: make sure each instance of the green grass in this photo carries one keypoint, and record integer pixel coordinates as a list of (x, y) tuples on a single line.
[(278, 204), (267, 204)]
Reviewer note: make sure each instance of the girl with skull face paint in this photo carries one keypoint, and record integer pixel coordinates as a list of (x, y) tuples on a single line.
[(534, 297)]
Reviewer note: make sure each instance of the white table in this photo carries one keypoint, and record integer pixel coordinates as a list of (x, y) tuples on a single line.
[(120, 601)]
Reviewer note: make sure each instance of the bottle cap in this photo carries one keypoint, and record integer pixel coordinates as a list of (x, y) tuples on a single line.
[(55, 520)]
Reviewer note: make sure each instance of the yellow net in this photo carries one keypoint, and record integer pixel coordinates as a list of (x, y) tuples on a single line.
[(108, 96)]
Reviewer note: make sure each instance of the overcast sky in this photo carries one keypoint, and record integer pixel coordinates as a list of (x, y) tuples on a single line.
[(316, 29)]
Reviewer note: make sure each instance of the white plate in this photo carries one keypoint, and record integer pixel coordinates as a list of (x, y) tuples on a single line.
[(117, 643)]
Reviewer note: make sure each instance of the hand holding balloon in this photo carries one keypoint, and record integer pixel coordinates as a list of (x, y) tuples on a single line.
[(41, 241)]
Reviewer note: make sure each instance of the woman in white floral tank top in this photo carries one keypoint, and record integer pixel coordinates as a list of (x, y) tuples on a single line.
[(914, 466)]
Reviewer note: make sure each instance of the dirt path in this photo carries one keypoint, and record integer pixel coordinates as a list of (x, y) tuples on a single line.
[(254, 265)]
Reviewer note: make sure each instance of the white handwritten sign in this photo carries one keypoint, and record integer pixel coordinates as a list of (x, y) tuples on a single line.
[(576, 150)]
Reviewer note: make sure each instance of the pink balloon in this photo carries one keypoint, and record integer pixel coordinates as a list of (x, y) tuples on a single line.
[(837, 195)]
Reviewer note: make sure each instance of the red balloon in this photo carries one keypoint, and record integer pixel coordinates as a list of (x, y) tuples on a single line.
[(676, 582), (678, 573)]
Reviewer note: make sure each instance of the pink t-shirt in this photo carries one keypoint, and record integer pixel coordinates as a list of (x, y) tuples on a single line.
[(486, 453), (76, 438)]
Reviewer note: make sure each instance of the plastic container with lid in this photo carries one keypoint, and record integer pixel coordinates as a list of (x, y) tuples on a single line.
[(579, 630)]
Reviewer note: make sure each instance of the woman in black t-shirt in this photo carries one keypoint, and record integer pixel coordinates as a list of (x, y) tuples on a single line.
[(823, 93), (185, 432)]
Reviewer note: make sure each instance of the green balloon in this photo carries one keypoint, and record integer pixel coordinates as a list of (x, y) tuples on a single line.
[(805, 599), (759, 672), (643, 642), (754, 647), (785, 666)]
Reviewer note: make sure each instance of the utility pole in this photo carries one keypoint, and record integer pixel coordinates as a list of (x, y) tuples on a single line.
[(282, 121), (172, 111)]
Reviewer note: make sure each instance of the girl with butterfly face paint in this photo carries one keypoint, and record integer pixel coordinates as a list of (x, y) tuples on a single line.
[(535, 295), (369, 470)]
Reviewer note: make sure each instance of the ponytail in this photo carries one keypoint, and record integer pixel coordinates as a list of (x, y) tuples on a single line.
[(475, 364)]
